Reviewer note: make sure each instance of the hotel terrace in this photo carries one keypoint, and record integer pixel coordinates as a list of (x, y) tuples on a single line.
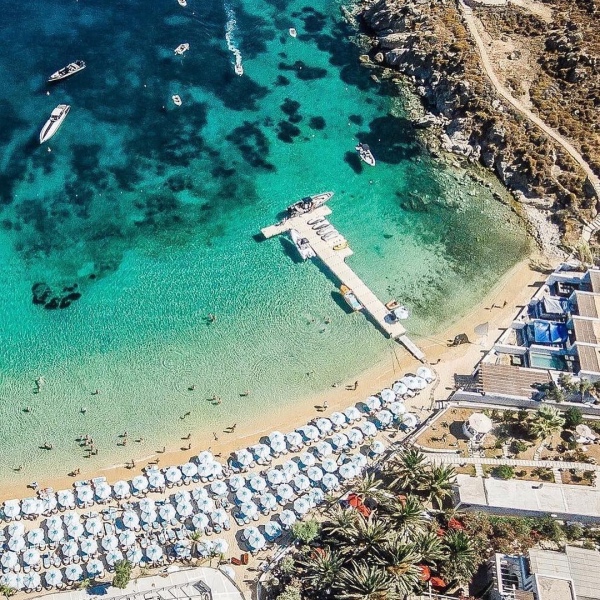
[(557, 332)]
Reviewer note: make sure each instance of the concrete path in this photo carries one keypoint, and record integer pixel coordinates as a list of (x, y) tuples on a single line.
[(512, 462)]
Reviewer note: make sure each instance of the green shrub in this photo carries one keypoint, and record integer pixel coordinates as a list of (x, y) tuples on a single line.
[(504, 472), (122, 574), (573, 417), (306, 531), (291, 592)]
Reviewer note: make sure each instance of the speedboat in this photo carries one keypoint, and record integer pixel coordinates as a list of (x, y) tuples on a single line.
[(54, 122), (67, 71), (239, 69), (293, 32), (177, 100), (350, 298), (303, 245), (365, 154), (182, 2), (182, 48), (308, 204)]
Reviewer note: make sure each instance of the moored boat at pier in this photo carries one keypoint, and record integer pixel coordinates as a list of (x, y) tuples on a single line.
[(308, 204), (351, 300)]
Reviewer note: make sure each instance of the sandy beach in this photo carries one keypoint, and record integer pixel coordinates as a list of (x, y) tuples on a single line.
[(497, 308)]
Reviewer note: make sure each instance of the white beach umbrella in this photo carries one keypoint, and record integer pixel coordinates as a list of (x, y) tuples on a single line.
[(400, 388), (324, 449), (16, 529), (32, 580), (324, 425), (275, 477), (199, 493), (278, 446), (249, 509), (131, 519), (310, 432), (140, 483), (94, 567), (113, 556), (285, 491), (200, 521), (53, 577), (368, 429), (228, 571), (9, 560), (275, 435), (85, 494), (373, 403), (206, 469), (71, 517), (167, 512), (36, 536), (93, 525), (127, 538), (219, 516), (352, 414), (217, 469), (66, 498), (307, 459), (55, 534), (288, 518), (338, 419), (185, 509), (384, 418), (314, 474), (244, 458), (156, 480), (261, 451), (397, 408), (425, 373), (359, 461), (243, 495), (204, 548), (173, 474), (330, 481), (339, 440), (73, 572), (70, 548), (182, 496), (121, 489), (31, 557), (377, 447), (189, 469), (89, 546), (205, 456), (32, 506), (12, 581), (54, 521), (347, 471), (301, 482), (154, 553), (387, 395), (258, 483), (16, 544), (410, 420), (220, 546), (355, 436), (250, 532), (414, 383), (256, 542), (294, 440), (316, 496), (268, 501), (205, 504), (329, 465), (11, 509), (75, 530), (219, 488), (183, 549), (110, 542), (147, 505), (135, 555), (273, 530), (301, 506), (103, 491), (290, 469), (236, 482)]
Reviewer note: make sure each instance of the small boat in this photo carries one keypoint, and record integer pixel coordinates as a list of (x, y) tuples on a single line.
[(303, 245), (182, 2), (177, 100), (324, 223), (239, 69), (397, 311), (67, 71), (329, 235), (341, 246), (308, 204), (325, 230), (350, 298), (315, 221), (182, 48), (56, 119), (293, 32), (365, 154)]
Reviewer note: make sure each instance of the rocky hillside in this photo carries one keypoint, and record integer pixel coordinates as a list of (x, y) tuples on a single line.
[(428, 44)]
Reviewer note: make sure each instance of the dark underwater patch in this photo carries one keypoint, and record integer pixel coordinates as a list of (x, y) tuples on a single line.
[(303, 71), (252, 144), (286, 132), (317, 123)]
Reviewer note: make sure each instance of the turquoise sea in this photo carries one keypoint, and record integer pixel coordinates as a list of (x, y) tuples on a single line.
[(139, 218)]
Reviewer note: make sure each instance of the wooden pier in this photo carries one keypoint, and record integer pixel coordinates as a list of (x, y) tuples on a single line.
[(335, 262)]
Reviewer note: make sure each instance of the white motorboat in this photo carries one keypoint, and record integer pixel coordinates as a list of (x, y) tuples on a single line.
[(239, 69), (293, 32), (303, 245), (182, 48), (350, 298), (67, 71), (308, 204), (365, 154), (176, 100), (182, 2), (54, 122)]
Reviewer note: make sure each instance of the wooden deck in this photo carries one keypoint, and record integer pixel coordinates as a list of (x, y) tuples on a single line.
[(335, 262)]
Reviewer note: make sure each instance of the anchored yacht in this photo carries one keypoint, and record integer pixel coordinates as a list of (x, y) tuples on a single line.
[(365, 154), (308, 204), (303, 245), (54, 122), (67, 71)]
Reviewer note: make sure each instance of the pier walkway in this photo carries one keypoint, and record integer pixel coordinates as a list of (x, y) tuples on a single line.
[(335, 261)]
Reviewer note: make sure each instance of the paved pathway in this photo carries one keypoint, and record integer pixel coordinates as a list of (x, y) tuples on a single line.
[(551, 464), (470, 21)]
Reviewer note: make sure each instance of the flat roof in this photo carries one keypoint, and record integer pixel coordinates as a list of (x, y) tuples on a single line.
[(587, 330), (595, 280), (589, 357), (588, 304), (550, 588), (511, 380)]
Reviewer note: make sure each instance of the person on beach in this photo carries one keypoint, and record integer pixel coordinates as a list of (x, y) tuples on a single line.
[(233, 427), (188, 436), (95, 392), (355, 384), (215, 436), (211, 317), (83, 410), (325, 405), (246, 393)]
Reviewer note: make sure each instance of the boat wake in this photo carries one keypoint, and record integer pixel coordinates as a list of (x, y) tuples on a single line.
[(230, 28)]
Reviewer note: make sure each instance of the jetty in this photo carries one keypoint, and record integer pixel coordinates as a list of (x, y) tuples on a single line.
[(335, 261)]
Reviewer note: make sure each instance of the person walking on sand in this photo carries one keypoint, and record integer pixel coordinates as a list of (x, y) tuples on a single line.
[(325, 405), (233, 427), (355, 384), (215, 436)]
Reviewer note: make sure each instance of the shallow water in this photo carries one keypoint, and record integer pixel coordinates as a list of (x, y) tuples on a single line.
[(149, 211)]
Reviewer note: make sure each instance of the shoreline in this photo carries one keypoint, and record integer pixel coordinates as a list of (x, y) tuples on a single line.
[(513, 289)]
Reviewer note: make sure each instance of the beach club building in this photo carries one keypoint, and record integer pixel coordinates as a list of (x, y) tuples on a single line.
[(558, 331)]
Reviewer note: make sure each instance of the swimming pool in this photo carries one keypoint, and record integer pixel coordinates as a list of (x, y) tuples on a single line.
[(547, 361)]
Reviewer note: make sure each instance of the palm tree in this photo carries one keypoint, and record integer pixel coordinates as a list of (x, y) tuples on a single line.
[(322, 567), (407, 515), (400, 560), (369, 486), (362, 581), (409, 470), (545, 422), (195, 538), (341, 523), (7, 591), (366, 535), (439, 484), (460, 564), (429, 545)]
